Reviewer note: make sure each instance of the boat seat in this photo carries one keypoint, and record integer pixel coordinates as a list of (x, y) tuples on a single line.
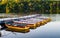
[(21, 24)]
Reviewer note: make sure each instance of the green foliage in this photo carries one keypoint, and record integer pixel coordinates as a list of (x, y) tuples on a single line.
[(2, 8), (42, 7)]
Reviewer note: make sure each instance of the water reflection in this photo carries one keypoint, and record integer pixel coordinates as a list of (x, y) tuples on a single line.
[(49, 30), (17, 31), (46, 31)]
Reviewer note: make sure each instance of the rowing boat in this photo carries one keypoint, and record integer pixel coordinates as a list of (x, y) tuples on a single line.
[(17, 27)]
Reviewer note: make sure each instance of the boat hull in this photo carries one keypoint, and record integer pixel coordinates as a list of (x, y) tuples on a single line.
[(18, 29), (32, 26)]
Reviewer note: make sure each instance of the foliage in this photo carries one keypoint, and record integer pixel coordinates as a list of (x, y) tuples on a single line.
[(28, 6)]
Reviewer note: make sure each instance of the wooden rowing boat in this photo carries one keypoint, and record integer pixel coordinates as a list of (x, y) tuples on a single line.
[(19, 28), (29, 23)]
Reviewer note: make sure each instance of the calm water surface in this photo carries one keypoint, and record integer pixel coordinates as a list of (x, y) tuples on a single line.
[(49, 30)]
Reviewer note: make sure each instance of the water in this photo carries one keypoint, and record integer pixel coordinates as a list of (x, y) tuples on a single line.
[(49, 30)]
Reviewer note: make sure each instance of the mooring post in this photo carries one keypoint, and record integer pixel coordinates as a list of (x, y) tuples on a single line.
[(0, 30), (0, 33)]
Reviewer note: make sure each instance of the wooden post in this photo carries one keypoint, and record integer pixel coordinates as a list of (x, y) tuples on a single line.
[(0, 34), (0, 31)]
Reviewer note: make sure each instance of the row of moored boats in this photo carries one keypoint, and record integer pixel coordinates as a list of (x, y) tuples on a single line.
[(25, 23)]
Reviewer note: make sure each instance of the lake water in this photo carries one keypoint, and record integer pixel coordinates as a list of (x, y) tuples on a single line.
[(49, 30)]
